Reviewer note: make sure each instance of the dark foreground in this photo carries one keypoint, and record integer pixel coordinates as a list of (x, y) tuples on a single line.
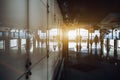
[(91, 67)]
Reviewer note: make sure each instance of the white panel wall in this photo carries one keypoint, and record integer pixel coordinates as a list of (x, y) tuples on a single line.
[(35, 14), (13, 13)]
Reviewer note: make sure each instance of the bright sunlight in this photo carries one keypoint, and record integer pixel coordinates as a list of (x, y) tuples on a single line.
[(72, 33)]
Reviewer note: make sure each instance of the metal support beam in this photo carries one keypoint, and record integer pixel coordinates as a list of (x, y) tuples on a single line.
[(7, 42), (115, 49), (101, 43), (107, 47), (65, 44), (88, 41), (19, 42)]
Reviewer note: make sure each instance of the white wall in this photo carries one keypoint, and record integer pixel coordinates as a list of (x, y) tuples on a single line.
[(14, 13)]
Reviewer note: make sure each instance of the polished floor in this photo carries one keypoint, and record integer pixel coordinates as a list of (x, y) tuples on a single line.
[(12, 63)]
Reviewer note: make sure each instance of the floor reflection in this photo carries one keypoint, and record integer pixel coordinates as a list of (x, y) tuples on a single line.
[(96, 51)]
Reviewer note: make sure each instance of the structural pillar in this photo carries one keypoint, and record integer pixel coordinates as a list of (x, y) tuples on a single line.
[(3, 37), (115, 49), (88, 41), (7, 42), (19, 43), (65, 44), (91, 42), (77, 47), (112, 33), (107, 46), (119, 35), (101, 43), (80, 38), (101, 50), (34, 44)]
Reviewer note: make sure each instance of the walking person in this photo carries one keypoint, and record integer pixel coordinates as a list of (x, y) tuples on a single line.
[(96, 40)]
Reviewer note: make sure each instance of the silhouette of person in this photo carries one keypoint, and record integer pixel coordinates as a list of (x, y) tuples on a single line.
[(77, 47), (80, 42), (96, 40), (91, 41)]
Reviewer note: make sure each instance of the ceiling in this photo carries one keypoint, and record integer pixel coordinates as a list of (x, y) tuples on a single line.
[(89, 11)]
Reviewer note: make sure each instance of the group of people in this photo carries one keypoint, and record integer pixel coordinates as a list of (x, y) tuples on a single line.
[(95, 40)]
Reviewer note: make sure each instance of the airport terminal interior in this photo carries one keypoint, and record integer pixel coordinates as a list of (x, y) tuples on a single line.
[(59, 39)]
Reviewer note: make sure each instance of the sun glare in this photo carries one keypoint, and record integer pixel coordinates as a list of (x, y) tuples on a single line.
[(72, 34)]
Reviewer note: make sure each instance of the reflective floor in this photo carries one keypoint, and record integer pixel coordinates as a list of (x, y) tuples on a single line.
[(84, 49), (91, 67), (12, 63)]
